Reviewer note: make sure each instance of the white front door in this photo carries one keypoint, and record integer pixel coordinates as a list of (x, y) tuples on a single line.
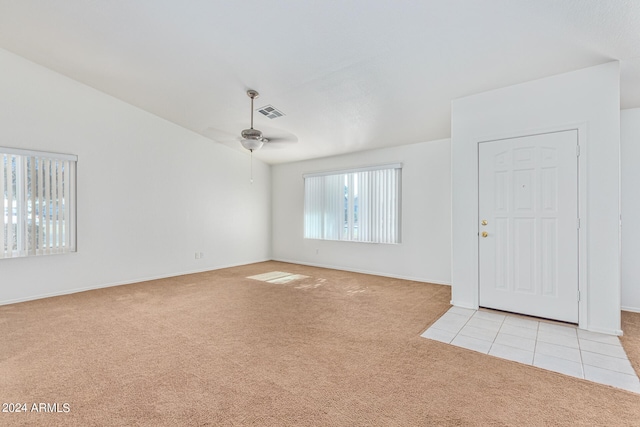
[(528, 225)]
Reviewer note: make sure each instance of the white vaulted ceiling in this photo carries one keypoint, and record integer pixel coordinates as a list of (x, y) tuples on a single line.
[(349, 75)]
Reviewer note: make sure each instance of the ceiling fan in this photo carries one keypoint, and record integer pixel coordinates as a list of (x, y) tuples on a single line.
[(253, 139)]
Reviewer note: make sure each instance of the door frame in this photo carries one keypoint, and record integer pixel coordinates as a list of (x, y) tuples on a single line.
[(583, 285)]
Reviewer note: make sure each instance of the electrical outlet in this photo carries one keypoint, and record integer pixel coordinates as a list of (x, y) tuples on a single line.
[(317, 251), (197, 255), (201, 255)]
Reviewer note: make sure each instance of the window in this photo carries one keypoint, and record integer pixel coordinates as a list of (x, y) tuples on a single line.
[(38, 203), (360, 205)]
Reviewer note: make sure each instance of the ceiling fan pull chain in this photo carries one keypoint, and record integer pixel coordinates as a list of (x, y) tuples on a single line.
[(251, 162)]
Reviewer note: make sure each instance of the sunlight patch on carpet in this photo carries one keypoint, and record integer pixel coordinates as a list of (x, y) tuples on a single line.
[(278, 277)]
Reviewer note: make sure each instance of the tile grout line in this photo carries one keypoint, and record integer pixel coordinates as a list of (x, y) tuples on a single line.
[(584, 373), (462, 327), (535, 345), (581, 363), (497, 333)]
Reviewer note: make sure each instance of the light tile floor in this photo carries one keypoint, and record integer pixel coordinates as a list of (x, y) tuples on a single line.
[(555, 347)]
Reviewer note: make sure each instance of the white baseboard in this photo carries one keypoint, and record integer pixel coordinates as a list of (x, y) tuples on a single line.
[(120, 283), (631, 309), (373, 273), (463, 304), (617, 332)]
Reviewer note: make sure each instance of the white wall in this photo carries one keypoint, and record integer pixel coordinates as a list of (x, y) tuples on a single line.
[(588, 99), (150, 193), (630, 190), (425, 251)]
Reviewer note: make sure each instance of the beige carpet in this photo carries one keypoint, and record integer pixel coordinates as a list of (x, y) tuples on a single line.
[(332, 349)]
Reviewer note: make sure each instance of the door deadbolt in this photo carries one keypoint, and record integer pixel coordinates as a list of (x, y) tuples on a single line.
[(484, 222)]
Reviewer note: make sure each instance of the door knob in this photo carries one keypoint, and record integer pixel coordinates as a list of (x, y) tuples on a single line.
[(485, 234)]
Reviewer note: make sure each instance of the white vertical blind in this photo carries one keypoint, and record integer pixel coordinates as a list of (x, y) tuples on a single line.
[(38, 203), (46, 208), (33, 236), (42, 231), (360, 205), (10, 211), (3, 224)]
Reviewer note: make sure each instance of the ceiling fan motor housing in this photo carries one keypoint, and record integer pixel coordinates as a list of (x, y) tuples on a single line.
[(252, 134)]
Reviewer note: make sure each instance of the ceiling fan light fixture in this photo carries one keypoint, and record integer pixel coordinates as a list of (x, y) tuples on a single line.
[(252, 144)]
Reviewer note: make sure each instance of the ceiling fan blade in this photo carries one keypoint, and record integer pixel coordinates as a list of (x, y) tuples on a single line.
[(282, 140), (219, 135), (277, 136)]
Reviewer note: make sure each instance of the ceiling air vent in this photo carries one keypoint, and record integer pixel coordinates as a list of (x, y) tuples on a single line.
[(270, 111)]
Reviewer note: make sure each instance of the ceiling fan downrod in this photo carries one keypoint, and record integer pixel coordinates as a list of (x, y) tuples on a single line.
[(252, 138), (253, 94)]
